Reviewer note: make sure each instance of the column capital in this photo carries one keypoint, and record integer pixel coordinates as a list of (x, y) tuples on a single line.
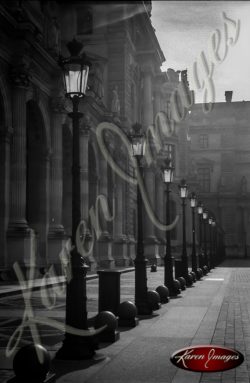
[(146, 69), (58, 104), (6, 133), (20, 75), (86, 125)]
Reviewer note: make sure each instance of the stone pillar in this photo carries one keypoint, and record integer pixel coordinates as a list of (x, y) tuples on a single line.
[(161, 215), (104, 246), (5, 137), (151, 248), (56, 235), (147, 115), (20, 238), (151, 244), (120, 243), (84, 164)]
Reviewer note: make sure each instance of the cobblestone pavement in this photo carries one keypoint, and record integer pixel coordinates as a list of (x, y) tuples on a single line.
[(214, 311)]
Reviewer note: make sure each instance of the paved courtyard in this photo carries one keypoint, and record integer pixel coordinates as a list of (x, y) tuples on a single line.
[(215, 310)]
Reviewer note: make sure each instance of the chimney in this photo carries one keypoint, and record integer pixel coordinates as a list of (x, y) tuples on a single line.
[(228, 95)]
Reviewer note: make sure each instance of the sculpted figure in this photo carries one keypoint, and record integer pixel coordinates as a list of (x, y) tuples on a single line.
[(115, 104)]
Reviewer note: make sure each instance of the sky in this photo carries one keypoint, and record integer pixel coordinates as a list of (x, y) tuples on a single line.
[(184, 28)]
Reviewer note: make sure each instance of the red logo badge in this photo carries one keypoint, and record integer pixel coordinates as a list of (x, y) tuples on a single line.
[(207, 358)]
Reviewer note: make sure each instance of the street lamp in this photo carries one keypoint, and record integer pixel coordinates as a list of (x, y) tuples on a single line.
[(168, 176), (193, 204), (214, 242), (137, 139), (205, 216), (210, 221), (183, 194), (200, 213), (75, 75)]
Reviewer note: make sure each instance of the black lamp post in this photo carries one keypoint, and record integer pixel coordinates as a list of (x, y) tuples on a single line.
[(210, 221), (205, 216), (183, 194), (214, 242), (193, 203), (75, 346), (137, 138), (200, 213), (168, 175)]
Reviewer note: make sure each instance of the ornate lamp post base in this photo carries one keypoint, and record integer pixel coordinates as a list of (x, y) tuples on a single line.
[(141, 300), (78, 348), (169, 280)]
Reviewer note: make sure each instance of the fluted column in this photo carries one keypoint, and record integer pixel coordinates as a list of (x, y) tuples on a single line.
[(18, 221), (56, 176), (147, 116), (103, 190), (21, 242), (120, 246), (5, 137), (151, 248), (104, 245), (159, 208), (56, 235)]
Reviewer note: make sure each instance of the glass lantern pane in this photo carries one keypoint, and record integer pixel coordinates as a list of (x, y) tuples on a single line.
[(76, 77), (183, 192), (167, 176), (193, 202), (84, 80), (137, 146), (200, 210)]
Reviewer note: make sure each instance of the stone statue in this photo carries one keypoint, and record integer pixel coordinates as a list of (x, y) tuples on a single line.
[(115, 104)]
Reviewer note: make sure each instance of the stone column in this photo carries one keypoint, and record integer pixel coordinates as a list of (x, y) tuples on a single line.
[(147, 115), (104, 246), (20, 238), (56, 235), (5, 137), (151, 249), (84, 164), (120, 243), (161, 214)]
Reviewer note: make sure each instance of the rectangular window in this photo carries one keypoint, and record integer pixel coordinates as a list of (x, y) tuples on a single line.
[(204, 179), (170, 152), (203, 141)]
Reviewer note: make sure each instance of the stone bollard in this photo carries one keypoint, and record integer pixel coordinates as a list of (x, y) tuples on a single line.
[(108, 319), (29, 368)]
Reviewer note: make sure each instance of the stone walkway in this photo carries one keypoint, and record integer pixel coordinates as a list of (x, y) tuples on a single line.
[(214, 311)]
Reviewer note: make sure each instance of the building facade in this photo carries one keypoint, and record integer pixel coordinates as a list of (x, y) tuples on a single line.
[(219, 161), (126, 86)]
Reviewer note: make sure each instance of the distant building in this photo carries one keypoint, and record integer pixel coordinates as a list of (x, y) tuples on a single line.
[(220, 161)]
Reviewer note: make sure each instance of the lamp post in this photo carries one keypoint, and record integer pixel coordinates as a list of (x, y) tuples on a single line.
[(137, 138), (183, 194), (214, 242), (193, 203), (210, 221), (200, 214), (168, 175), (75, 346), (205, 216)]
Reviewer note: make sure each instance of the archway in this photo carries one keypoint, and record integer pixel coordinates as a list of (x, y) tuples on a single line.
[(37, 180)]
